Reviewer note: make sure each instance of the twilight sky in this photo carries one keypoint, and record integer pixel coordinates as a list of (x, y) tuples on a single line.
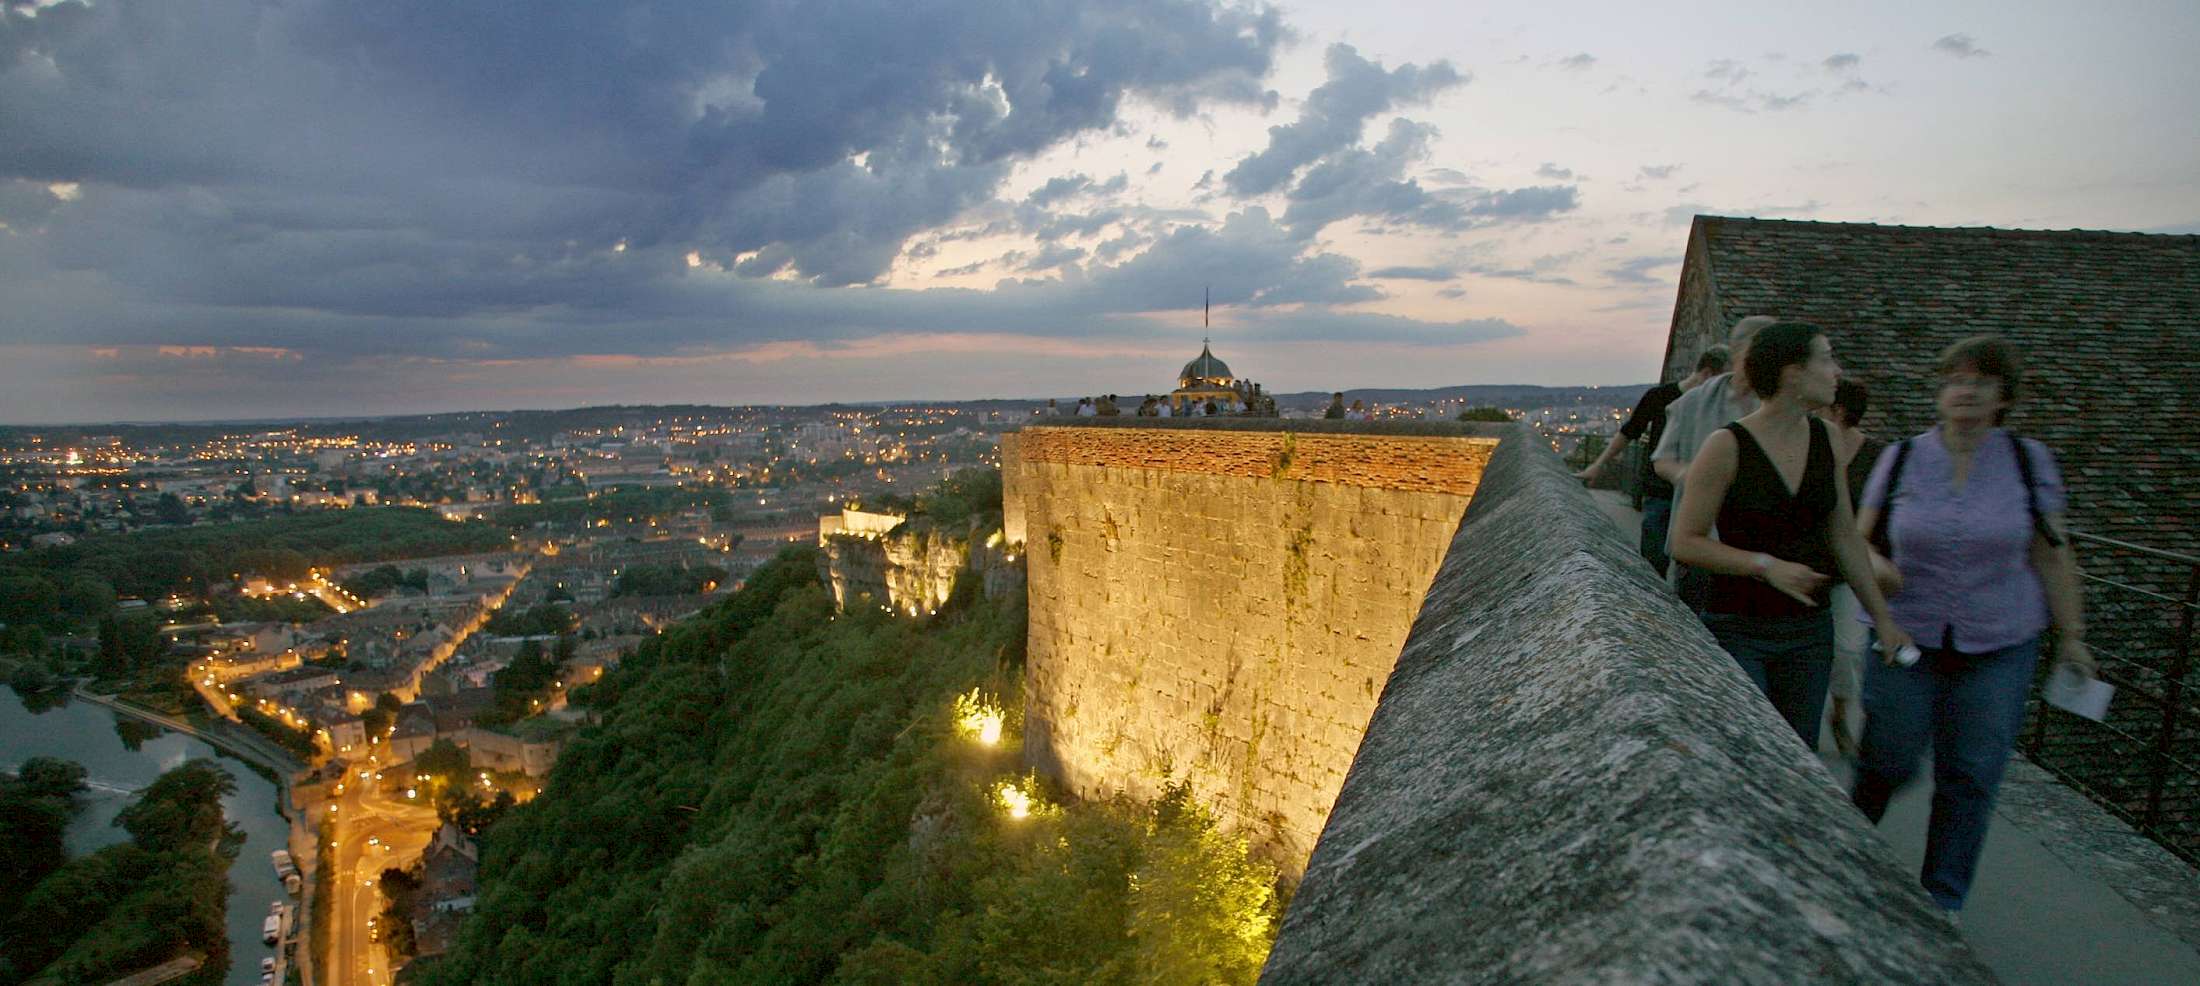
[(252, 208)]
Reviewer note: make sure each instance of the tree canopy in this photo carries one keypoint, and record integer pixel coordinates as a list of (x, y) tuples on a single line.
[(130, 905), (780, 793)]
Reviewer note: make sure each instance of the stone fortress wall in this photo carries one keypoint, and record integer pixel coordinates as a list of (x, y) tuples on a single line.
[(1220, 601), (1567, 780)]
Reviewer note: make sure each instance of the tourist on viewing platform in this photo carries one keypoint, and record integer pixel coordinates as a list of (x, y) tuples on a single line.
[(1784, 522), (1146, 407), (1647, 422), (1108, 408), (1855, 451), (1973, 517), (1051, 410), (1163, 409), (1085, 408), (1336, 407), (1357, 412), (1692, 418)]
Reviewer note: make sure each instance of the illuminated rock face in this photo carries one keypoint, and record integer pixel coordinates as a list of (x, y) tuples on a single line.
[(913, 571), (1223, 604)]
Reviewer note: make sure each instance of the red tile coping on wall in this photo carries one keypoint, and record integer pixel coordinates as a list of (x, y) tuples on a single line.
[(1391, 462)]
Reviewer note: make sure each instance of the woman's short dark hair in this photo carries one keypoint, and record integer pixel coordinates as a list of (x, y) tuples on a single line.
[(1853, 400), (1987, 356), (1775, 348)]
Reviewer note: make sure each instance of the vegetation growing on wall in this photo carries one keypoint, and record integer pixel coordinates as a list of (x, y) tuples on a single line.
[(781, 794)]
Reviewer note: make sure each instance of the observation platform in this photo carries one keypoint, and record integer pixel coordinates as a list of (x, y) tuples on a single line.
[(2066, 893)]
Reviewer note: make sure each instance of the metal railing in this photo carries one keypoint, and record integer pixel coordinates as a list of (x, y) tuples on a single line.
[(2142, 762)]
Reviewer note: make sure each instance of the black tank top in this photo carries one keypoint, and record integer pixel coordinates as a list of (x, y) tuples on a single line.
[(1759, 514)]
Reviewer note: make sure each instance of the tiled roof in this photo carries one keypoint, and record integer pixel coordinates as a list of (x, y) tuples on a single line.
[(2109, 324)]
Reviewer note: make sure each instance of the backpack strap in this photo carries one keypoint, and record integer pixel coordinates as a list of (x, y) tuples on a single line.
[(2032, 491), (1878, 536)]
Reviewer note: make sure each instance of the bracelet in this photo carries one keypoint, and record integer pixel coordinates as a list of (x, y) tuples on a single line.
[(1762, 564)]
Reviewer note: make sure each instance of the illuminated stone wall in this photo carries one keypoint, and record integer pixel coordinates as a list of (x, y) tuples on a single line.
[(1221, 602), (1567, 781)]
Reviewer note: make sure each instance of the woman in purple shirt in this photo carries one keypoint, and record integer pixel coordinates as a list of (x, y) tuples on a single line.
[(1980, 565)]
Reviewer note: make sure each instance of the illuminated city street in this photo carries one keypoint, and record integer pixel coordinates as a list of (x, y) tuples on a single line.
[(372, 833)]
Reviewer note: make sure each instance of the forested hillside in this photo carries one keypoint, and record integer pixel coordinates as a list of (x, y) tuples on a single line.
[(781, 794)]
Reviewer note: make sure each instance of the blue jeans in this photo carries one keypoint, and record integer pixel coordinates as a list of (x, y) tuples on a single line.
[(1789, 658), (1969, 709), (1657, 516)]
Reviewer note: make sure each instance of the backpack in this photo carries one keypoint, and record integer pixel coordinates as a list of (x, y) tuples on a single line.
[(1878, 536)]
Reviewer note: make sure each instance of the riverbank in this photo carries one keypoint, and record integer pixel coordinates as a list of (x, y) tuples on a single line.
[(279, 768), (124, 750)]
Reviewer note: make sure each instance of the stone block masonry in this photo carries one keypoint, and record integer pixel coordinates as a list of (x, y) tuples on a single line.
[(1220, 602), (1567, 781)]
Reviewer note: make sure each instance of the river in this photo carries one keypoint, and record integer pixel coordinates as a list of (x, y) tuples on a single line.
[(85, 733)]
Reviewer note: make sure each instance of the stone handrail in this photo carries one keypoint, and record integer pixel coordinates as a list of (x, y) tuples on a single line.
[(1567, 780)]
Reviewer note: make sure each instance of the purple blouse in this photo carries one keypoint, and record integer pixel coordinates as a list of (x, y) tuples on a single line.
[(1965, 555)]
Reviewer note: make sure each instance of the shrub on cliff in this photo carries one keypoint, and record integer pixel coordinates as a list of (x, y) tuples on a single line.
[(778, 793)]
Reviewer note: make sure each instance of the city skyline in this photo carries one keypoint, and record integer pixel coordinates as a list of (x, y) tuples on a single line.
[(219, 211)]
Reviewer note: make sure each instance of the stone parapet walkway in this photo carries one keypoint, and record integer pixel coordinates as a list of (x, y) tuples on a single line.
[(2066, 893)]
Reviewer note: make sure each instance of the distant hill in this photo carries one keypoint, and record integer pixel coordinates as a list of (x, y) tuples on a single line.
[(1501, 395), (541, 424)]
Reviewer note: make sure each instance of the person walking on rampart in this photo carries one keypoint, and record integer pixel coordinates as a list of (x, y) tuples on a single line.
[(1647, 423), (1855, 452), (1980, 566), (1784, 522)]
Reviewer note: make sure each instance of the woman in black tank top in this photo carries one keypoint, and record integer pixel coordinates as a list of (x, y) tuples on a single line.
[(1758, 514), (1778, 541)]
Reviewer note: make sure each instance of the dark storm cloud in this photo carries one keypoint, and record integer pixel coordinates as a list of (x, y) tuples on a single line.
[(1752, 100), (1372, 328), (1248, 259), (437, 157), (1070, 186), (1413, 273), (1531, 204), (1357, 182), (1638, 270), (1053, 257), (361, 188), (1336, 114), (1961, 46)]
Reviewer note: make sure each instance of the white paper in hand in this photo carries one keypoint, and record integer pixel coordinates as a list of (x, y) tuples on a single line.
[(2088, 697)]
